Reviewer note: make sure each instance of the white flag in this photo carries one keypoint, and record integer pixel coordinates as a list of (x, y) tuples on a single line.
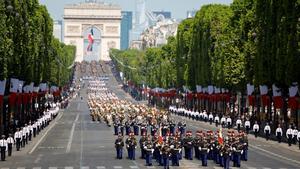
[(30, 88), (276, 90), (217, 90), (250, 89), (2, 87), (36, 89), (43, 87), (20, 86), (263, 89), (14, 85), (210, 89), (293, 91), (199, 88)]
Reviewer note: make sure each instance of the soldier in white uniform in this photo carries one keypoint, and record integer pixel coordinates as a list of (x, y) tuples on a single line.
[(267, 131), (279, 133), (229, 122), (295, 132), (18, 138), (3, 147), (247, 126), (10, 141), (223, 121), (256, 129), (210, 118), (217, 120), (289, 135), (30, 129), (239, 124)]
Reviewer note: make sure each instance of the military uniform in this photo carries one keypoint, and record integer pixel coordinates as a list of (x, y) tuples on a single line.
[(119, 144), (3, 147), (131, 144)]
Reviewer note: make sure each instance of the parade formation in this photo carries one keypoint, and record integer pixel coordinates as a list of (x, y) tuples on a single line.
[(160, 137), (24, 135)]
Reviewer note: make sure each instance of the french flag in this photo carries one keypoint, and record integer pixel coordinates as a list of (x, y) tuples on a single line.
[(91, 40)]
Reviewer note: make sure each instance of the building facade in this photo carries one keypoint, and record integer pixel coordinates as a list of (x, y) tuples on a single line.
[(191, 13), (126, 26), (57, 30), (162, 14), (94, 28)]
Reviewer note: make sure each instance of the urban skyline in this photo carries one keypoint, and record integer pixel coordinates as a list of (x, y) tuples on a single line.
[(178, 8)]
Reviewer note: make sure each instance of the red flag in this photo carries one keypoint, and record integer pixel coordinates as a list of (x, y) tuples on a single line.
[(220, 137)]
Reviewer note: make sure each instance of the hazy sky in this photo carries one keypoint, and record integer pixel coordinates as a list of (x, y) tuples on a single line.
[(177, 7)]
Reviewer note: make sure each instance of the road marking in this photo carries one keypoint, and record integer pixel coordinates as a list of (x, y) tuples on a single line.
[(4, 168), (133, 166), (100, 167), (68, 167), (71, 135), (266, 168), (37, 168), (151, 167), (40, 140), (52, 167), (251, 168), (116, 167), (86, 167), (274, 154), (21, 168)]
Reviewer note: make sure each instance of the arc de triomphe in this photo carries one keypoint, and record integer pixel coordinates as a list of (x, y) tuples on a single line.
[(93, 28)]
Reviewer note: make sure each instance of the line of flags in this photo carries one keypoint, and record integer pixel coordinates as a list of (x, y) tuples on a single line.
[(20, 93), (278, 100)]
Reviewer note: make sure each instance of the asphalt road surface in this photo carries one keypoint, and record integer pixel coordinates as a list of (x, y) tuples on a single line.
[(74, 141)]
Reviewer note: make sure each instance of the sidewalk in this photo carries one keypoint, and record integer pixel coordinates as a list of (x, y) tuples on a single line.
[(32, 145)]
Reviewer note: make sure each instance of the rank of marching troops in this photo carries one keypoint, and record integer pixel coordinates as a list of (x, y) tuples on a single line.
[(292, 134), (25, 134)]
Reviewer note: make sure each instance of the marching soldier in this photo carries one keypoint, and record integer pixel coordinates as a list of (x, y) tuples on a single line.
[(3, 147), (239, 124), (188, 146), (295, 132), (223, 121), (148, 147), (131, 146), (127, 128), (10, 141), (116, 127), (196, 143), (119, 144), (226, 154), (237, 151), (279, 133), (217, 120), (228, 121), (165, 152), (30, 128), (18, 138), (267, 131), (142, 142), (289, 135), (175, 151), (256, 129), (210, 118), (204, 150), (247, 126)]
